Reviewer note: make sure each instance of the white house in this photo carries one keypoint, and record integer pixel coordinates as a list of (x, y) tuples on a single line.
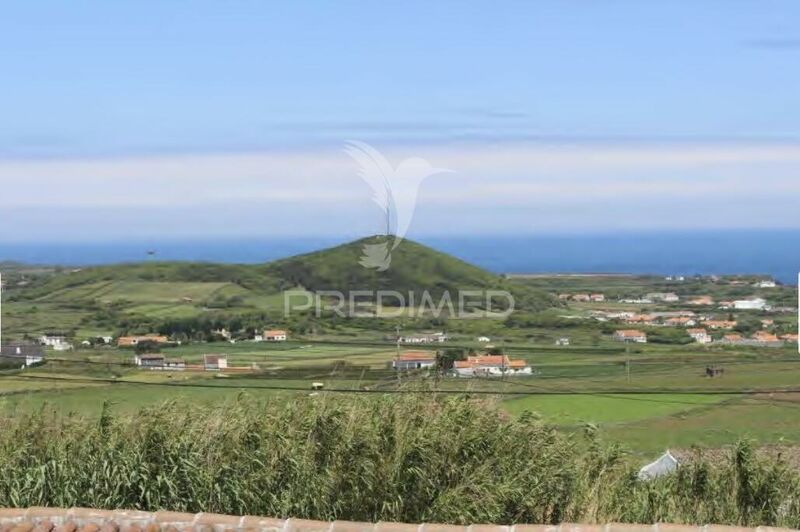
[(700, 336), (563, 341), (57, 342), (215, 362), (483, 339), (149, 361), (275, 335), (491, 366), (437, 337), (667, 297), (766, 283), (414, 360), (630, 336), (755, 303)]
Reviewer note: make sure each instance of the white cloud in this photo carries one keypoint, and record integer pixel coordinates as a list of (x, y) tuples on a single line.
[(322, 184)]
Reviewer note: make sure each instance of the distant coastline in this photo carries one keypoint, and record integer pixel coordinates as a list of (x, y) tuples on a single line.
[(773, 253)]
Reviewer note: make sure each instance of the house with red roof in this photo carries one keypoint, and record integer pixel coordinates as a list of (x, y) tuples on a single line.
[(491, 366), (414, 360)]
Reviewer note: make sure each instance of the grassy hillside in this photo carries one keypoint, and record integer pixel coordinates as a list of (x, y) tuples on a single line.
[(97, 299), (413, 267)]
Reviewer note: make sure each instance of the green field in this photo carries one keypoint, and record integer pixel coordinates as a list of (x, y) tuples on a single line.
[(571, 388)]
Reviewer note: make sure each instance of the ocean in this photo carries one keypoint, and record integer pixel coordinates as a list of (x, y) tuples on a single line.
[(768, 252)]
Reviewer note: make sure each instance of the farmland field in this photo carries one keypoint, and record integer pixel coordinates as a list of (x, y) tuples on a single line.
[(681, 407)]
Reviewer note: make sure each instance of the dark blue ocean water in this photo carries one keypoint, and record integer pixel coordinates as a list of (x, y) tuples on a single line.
[(773, 252)]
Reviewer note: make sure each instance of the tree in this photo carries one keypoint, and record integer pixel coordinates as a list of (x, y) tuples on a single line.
[(446, 358)]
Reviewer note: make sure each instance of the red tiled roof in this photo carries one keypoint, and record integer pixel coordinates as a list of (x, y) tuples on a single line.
[(630, 333), (417, 355)]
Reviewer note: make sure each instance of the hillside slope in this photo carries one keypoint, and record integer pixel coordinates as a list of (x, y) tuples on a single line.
[(162, 289)]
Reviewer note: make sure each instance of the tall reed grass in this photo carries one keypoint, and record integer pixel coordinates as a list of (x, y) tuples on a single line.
[(367, 458)]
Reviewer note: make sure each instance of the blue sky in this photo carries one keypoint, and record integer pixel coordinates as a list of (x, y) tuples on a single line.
[(141, 118)]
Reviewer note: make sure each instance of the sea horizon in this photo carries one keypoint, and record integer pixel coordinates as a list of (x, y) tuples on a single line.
[(769, 252)]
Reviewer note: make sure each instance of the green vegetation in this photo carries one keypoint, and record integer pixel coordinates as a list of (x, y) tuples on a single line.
[(414, 458), (192, 299)]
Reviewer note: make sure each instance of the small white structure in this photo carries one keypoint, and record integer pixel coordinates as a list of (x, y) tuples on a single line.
[(483, 339), (755, 303), (700, 336), (766, 283), (491, 366), (275, 335), (414, 360), (174, 364), (564, 341), (665, 465), (437, 337), (215, 362), (630, 336), (666, 297), (149, 361), (57, 342)]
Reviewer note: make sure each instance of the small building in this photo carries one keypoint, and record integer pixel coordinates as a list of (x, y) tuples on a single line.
[(133, 341), (666, 297), (719, 324), (764, 337), (153, 361), (275, 335), (215, 362), (766, 283), (700, 336), (58, 342), (680, 321), (732, 339), (630, 336), (175, 364), (597, 298), (701, 301), (789, 338), (19, 354), (438, 337), (646, 319), (767, 323), (483, 339), (563, 341), (582, 298), (755, 303), (491, 366), (414, 360)]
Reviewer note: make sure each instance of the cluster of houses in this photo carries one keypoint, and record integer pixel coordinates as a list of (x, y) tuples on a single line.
[(751, 303), (583, 298), (473, 366), (701, 336)]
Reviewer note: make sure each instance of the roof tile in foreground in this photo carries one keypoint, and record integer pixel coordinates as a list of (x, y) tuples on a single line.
[(40, 519)]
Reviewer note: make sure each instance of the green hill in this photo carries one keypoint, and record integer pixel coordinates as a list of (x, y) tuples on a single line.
[(177, 290), (413, 267)]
